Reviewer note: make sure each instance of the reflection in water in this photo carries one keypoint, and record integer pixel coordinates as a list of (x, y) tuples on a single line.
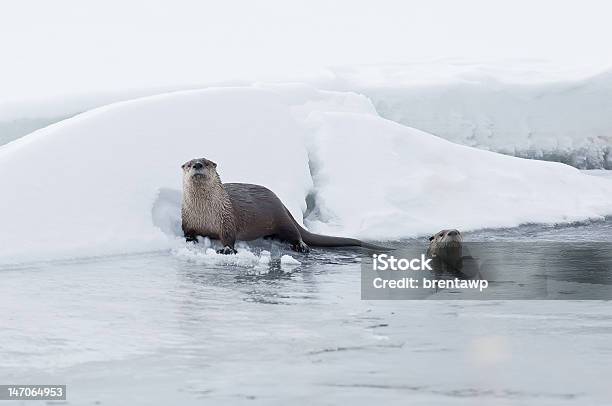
[(547, 270)]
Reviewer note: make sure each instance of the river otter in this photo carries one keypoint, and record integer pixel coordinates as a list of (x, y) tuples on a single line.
[(241, 211), (447, 244), (450, 255)]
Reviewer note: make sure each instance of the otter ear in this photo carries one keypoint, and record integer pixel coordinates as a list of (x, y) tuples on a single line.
[(214, 164)]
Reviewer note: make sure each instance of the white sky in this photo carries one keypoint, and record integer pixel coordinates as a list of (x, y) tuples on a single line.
[(76, 46)]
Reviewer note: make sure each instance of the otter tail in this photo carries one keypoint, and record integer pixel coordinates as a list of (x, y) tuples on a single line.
[(319, 240)]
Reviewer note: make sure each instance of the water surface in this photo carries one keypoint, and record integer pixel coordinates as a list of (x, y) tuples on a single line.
[(161, 328)]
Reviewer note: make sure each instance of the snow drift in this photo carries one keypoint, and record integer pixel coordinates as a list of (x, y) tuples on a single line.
[(89, 185), (516, 109), (108, 181), (520, 108)]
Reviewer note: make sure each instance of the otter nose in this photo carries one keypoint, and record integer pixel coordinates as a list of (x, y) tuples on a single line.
[(198, 165), (453, 233)]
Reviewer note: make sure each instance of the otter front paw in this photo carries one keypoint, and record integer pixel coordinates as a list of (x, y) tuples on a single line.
[(190, 238), (300, 247), (226, 250)]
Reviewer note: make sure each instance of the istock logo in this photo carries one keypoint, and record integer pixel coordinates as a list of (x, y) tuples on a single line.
[(384, 262)]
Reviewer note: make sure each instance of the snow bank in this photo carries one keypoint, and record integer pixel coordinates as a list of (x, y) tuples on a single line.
[(19, 117), (108, 181), (517, 109), (99, 182), (521, 108), (392, 181)]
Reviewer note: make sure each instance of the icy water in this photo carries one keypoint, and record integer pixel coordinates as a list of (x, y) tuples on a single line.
[(164, 328)]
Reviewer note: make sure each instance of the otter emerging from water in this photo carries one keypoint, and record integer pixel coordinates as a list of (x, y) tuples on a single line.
[(446, 245), (241, 211), (449, 254)]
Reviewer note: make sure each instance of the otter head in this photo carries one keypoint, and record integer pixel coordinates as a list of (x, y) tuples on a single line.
[(446, 244), (446, 238), (200, 171)]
